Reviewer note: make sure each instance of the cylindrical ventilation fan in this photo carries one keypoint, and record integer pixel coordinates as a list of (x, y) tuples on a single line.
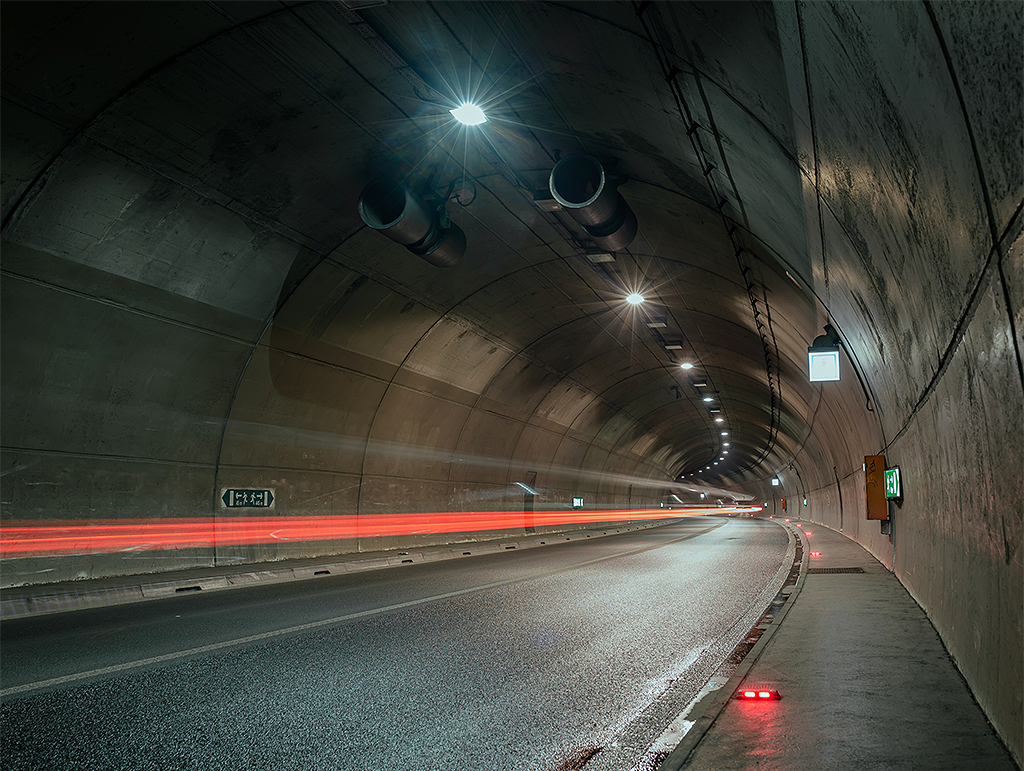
[(579, 185), (394, 210)]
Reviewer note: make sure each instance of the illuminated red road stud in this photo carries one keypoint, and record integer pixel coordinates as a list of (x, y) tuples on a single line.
[(758, 694)]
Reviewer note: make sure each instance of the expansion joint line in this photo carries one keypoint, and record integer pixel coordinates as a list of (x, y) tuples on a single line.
[(758, 304)]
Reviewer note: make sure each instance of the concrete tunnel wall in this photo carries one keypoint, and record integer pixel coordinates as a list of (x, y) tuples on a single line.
[(179, 316)]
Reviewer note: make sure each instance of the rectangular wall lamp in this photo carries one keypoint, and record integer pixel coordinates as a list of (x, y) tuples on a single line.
[(822, 364), (823, 356)]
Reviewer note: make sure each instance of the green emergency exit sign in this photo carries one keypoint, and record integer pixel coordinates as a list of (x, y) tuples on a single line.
[(893, 483)]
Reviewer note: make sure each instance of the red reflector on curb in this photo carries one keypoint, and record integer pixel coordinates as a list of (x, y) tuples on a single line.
[(759, 695)]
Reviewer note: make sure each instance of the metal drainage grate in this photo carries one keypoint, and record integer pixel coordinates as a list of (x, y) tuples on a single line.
[(835, 570)]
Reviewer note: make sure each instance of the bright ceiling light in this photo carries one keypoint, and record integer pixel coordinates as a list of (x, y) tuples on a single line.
[(635, 298), (686, 365), (719, 420), (708, 399), (724, 444), (725, 433), (469, 114)]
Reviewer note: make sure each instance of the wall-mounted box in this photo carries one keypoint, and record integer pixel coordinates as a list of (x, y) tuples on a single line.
[(874, 487)]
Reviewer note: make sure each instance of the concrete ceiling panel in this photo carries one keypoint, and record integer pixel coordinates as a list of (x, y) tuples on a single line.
[(896, 181), (484, 448), (563, 404), (99, 376), (518, 388), (422, 430), (454, 354), (982, 41), (111, 216), (295, 412)]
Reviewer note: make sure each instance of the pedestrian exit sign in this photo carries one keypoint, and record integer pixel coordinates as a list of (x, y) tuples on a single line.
[(893, 483)]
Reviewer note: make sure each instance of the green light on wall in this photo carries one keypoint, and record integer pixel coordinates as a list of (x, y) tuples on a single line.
[(893, 483)]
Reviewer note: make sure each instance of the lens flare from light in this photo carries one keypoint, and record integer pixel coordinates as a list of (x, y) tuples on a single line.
[(686, 365), (469, 114), (635, 298)]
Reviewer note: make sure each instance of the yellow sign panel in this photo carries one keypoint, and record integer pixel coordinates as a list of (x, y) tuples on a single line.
[(874, 487)]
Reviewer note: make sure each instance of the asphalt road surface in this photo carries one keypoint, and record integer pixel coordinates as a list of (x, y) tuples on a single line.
[(522, 660)]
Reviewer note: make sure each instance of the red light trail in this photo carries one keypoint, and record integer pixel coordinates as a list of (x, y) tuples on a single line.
[(38, 538)]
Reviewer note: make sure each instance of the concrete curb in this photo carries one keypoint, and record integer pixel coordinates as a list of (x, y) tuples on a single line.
[(707, 710), (46, 599)]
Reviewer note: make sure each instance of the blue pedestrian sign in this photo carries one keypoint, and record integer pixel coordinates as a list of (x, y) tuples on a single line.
[(249, 499)]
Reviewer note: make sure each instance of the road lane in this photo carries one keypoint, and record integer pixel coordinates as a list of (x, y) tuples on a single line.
[(511, 660)]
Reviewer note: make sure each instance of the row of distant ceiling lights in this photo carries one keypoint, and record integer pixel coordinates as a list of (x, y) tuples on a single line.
[(635, 299), (721, 457), (471, 115)]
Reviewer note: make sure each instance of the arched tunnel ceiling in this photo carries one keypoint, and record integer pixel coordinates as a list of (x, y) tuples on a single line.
[(191, 301), (215, 153)]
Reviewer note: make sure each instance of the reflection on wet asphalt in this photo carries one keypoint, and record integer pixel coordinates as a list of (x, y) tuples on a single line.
[(559, 652)]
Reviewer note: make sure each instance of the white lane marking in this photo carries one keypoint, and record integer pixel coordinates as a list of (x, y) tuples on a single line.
[(326, 622)]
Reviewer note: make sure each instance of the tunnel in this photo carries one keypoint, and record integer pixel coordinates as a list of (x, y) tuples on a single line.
[(199, 328)]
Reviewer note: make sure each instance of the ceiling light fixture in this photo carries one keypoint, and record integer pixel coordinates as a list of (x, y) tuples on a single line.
[(686, 365), (635, 298), (469, 114), (719, 420)]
